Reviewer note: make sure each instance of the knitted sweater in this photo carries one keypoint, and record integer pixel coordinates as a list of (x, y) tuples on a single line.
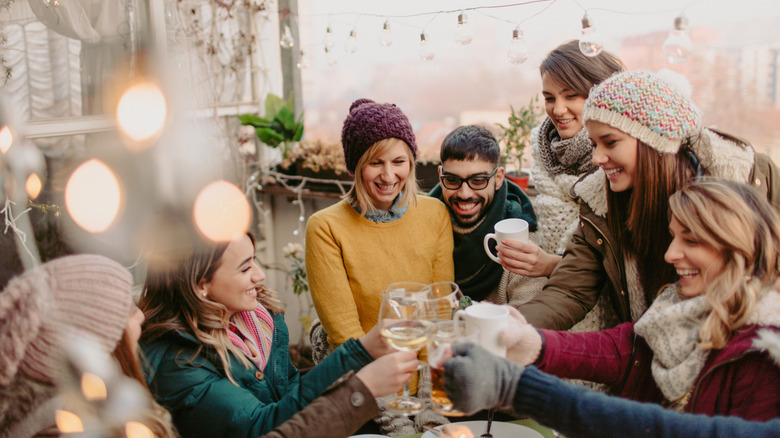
[(350, 260)]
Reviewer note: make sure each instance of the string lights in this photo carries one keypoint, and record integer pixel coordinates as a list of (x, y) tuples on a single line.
[(591, 43), (426, 51), (350, 45), (518, 52), (386, 35), (463, 33), (678, 46)]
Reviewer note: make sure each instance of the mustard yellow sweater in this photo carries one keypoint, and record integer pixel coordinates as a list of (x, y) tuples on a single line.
[(350, 260)]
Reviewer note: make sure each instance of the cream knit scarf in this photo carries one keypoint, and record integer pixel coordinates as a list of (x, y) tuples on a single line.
[(671, 328), (572, 156)]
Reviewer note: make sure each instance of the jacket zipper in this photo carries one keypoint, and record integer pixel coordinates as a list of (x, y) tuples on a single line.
[(617, 261), (701, 378)]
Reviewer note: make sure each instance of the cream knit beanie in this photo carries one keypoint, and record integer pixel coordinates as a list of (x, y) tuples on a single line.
[(652, 107), (66, 297)]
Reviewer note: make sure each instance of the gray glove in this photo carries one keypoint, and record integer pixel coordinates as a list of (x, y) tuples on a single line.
[(475, 379)]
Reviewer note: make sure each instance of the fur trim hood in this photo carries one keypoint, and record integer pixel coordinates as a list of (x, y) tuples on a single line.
[(720, 157), (769, 340)]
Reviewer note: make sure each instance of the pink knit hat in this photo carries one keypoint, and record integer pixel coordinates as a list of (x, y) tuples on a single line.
[(44, 307)]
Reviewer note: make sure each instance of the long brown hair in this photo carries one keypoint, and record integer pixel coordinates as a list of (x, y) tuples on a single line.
[(740, 224), (170, 302), (157, 419), (638, 217), (568, 67)]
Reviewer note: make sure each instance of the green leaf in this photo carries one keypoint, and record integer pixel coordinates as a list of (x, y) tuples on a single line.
[(251, 119), (273, 104), (287, 119), (269, 136)]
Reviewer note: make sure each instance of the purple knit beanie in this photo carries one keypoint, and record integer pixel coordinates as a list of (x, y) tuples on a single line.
[(44, 307), (369, 122)]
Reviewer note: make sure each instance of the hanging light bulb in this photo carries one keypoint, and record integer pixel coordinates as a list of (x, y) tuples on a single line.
[(329, 41), (330, 57), (287, 40), (386, 35), (678, 46), (426, 52), (518, 52), (463, 33), (591, 43), (303, 62), (350, 45), (51, 3)]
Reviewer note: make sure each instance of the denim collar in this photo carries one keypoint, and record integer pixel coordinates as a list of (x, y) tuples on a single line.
[(381, 216)]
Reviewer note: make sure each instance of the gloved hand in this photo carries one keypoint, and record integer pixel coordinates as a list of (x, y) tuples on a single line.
[(523, 343), (475, 379)]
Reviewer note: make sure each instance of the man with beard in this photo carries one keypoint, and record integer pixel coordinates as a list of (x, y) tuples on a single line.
[(473, 186)]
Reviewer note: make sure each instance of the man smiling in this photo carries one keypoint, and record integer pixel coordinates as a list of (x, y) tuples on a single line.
[(473, 186)]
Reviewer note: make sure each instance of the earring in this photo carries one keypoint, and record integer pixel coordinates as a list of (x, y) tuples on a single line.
[(203, 294)]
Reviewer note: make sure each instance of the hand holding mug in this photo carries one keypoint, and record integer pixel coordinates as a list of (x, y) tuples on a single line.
[(489, 319), (514, 229), (522, 342)]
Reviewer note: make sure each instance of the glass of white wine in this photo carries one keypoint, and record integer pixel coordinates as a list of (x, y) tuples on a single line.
[(402, 315), (443, 300)]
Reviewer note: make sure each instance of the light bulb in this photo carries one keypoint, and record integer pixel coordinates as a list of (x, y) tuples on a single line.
[(287, 40), (678, 46), (51, 3), (330, 58), (463, 33), (221, 211), (426, 53), (386, 35), (591, 43), (303, 62), (329, 41), (518, 52), (141, 114), (350, 45), (93, 196), (6, 139)]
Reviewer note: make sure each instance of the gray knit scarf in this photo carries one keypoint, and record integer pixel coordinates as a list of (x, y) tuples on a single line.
[(671, 329), (572, 156)]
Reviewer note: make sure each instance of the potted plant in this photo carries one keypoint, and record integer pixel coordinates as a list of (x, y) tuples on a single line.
[(516, 136), (279, 126)]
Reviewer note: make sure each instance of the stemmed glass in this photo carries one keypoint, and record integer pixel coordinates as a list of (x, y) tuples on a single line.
[(404, 327)]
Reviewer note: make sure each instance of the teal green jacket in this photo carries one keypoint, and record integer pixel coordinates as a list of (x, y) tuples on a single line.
[(204, 402)]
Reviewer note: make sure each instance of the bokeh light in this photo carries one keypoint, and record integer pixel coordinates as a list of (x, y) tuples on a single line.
[(33, 186), (141, 111), (221, 211), (134, 429), (6, 139), (92, 196), (68, 422), (93, 387)]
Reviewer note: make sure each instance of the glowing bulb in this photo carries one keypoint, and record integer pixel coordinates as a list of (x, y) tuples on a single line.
[(33, 186), (221, 211), (141, 113), (134, 429), (93, 387), (92, 196), (303, 62), (287, 41), (329, 41), (426, 52), (68, 422), (591, 43), (6, 139), (678, 46), (51, 3), (386, 35), (350, 45), (518, 52), (330, 58), (463, 33)]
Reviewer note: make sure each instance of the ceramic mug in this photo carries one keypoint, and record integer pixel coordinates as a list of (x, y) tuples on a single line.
[(512, 229), (488, 319)]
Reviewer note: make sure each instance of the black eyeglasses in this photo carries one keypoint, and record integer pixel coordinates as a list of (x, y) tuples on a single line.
[(476, 182)]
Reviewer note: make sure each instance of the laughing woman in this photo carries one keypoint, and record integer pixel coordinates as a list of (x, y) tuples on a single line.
[(382, 232)]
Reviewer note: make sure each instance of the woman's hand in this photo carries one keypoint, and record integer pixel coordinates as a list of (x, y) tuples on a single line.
[(387, 374), (523, 342), (375, 344), (526, 258)]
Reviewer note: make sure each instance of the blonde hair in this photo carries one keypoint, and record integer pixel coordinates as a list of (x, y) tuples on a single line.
[(739, 223), (170, 302), (359, 194)]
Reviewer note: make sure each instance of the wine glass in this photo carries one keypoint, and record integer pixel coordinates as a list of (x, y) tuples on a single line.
[(443, 300), (402, 315), (443, 336)]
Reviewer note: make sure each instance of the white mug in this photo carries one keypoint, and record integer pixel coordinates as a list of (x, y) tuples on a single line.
[(512, 229), (488, 319)]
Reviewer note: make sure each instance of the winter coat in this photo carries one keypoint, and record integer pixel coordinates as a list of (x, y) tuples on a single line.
[(203, 402), (741, 379), (593, 262)]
